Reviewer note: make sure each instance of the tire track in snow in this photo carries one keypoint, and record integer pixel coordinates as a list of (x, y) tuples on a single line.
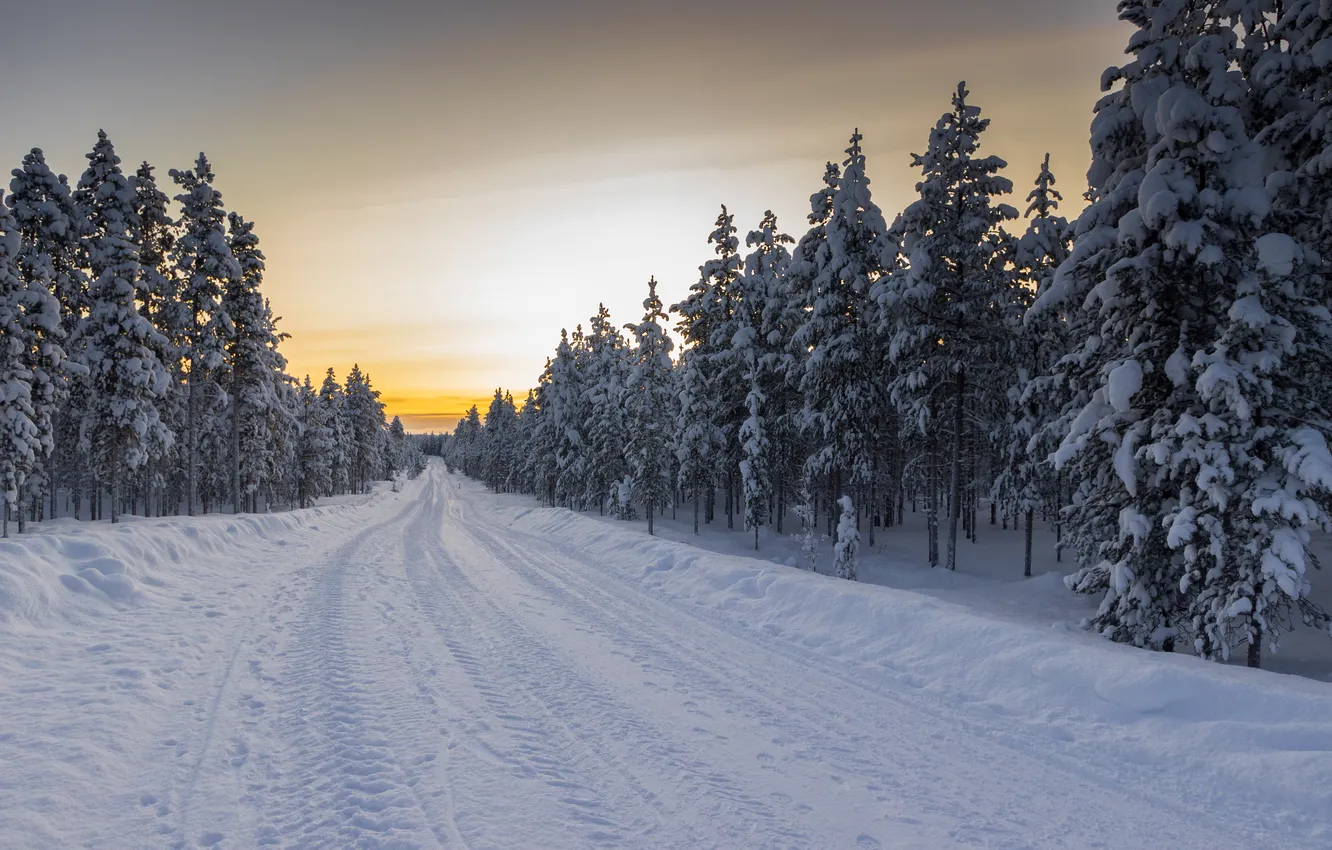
[(664, 770), (809, 725), (341, 781)]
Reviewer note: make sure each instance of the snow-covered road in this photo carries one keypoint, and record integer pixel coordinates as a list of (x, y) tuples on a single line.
[(424, 671)]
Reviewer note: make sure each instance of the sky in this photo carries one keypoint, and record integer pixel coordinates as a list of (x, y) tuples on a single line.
[(440, 187)]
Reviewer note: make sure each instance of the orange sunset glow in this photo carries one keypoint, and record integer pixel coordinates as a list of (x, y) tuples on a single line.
[(440, 189)]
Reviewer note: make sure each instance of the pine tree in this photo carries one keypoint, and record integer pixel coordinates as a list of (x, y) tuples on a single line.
[(710, 407), (845, 406), (649, 408), (1040, 340), (365, 414), (49, 228), (943, 304), (604, 428), (125, 379), (153, 233), (317, 450), (333, 407), (20, 437), (253, 367), (205, 264), (758, 344), (848, 541)]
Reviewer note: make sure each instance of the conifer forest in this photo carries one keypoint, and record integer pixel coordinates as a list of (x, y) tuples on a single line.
[(1149, 376)]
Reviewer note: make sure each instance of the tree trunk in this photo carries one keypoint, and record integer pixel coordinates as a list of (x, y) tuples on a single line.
[(696, 497), (1255, 659), (114, 484), (1026, 570), (650, 511), (235, 452), (192, 439), (955, 485)]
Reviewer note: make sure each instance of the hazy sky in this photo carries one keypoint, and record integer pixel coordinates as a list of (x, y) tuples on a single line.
[(441, 186)]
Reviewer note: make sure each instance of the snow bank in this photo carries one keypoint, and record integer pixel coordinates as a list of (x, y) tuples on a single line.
[(1227, 733), (66, 570)]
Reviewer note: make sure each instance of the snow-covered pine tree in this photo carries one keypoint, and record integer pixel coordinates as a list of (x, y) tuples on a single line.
[(205, 264), (365, 415), (1200, 456), (20, 437), (317, 447), (604, 429), (760, 340), (467, 436), (498, 437), (942, 305), (1027, 479), (333, 407), (848, 541), (845, 403), (250, 342), (120, 347), (153, 233), (563, 405), (49, 228), (710, 408), (649, 408)]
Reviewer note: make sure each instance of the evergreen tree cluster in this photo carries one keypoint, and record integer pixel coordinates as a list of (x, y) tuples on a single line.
[(1150, 378), (140, 367)]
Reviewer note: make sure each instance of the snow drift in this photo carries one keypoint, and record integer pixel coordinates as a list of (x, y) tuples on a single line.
[(1240, 734)]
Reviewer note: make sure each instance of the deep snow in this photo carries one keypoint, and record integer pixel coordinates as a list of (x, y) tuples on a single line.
[(444, 667)]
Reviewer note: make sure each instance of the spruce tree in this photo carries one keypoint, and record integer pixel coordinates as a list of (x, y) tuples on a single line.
[(48, 260), (205, 264), (316, 454), (20, 437), (1040, 340), (153, 233), (649, 408), (125, 379), (943, 304)]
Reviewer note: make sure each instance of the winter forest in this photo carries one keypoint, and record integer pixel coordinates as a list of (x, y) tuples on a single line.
[(1149, 377), (140, 369)]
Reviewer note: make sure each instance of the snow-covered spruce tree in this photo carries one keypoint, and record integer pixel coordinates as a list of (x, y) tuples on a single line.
[(497, 443), (204, 263), (365, 415), (564, 406), (20, 438), (49, 228), (1201, 458), (759, 344), (316, 453), (649, 408), (153, 233), (120, 347), (333, 408), (710, 406), (250, 342), (467, 435), (848, 541), (766, 282), (943, 304), (1027, 479), (604, 429), (845, 403)]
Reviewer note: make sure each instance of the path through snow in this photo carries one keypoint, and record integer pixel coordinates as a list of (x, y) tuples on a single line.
[(432, 669)]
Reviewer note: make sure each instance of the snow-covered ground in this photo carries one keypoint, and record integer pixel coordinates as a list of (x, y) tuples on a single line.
[(989, 575), (444, 667)]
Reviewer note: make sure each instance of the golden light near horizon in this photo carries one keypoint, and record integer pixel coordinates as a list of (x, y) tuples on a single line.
[(437, 205)]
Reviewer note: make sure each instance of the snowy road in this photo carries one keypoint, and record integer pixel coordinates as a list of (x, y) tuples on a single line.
[(427, 675)]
